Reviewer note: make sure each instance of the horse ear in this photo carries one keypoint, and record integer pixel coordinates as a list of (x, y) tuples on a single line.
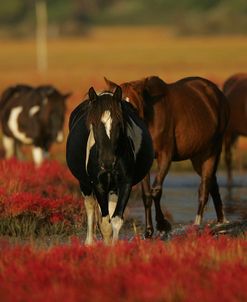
[(111, 85), (49, 91), (118, 93), (92, 94)]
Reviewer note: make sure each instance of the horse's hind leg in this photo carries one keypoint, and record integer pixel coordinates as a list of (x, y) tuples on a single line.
[(38, 155), (229, 141), (112, 203), (214, 191), (228, 161), (147, 201), (206, 168), (164, 162)]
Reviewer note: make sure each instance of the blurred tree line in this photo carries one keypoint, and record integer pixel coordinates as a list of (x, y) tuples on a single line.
[(66, 17)]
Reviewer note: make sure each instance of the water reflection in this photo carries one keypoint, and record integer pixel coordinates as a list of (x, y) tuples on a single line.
[(180, 199)]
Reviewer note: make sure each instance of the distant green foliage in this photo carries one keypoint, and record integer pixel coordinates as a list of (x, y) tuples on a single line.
[(184, 16)]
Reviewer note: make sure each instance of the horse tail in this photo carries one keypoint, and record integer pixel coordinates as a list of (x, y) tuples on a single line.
[(6, 95)]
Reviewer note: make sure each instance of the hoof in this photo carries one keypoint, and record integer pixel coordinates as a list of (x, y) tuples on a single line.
[(164, 226), (148, 233), (224, 221), (163, 236)]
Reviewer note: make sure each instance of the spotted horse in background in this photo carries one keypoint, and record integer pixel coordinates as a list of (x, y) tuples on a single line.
[(32, 116)]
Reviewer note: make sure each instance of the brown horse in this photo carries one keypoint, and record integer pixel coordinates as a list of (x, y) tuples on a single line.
[(186, 120), (235, 88)]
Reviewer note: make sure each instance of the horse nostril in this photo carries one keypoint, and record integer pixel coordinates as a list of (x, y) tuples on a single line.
[(108, 167)]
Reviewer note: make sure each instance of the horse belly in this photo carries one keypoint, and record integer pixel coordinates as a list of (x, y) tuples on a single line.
[(191, 142)]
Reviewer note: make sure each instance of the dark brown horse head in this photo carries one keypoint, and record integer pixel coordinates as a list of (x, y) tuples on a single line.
[(141, 93), (53, 111), (130, 93)]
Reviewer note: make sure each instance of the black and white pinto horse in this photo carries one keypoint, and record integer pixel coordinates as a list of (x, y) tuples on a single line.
[(109, 150), (32, 116)]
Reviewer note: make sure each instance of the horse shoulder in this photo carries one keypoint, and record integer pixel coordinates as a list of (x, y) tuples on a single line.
[(77, 113)]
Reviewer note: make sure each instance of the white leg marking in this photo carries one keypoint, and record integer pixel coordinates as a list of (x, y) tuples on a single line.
[(59, 138), (106, 229), (198, 220), (9, 146), (112, 203), (90, 143), (38, 155), (117, 223), (13, 126), (225, 221), (89, 202), (106, 119)]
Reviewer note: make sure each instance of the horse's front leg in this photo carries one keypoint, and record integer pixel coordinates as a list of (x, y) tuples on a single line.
[(164, 162), (90, 203), (105, 222), (147, 201), (117, 217)]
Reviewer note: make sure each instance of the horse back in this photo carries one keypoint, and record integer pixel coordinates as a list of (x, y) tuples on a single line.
[(15, 92), (187, 116), (200, 112), (76, 147), (235, 89)]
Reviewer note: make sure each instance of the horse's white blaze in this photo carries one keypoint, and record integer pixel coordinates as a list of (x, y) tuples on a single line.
[(59, 138), (112, 203), (135, 133), (198, 220), (38, 155), (117, 223), (89, 202), (9, 146), (106, 119), (127, 99), (13, 126), (34, 110), (90, 143)]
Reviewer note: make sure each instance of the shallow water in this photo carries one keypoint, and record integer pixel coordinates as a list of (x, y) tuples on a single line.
[(180, 199)]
